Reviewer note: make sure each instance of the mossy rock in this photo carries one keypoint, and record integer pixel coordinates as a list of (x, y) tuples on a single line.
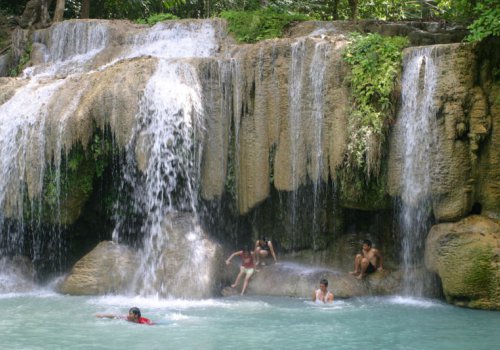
[(465, 255)]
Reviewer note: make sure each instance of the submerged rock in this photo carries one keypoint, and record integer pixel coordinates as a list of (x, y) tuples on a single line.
[(465, 255)]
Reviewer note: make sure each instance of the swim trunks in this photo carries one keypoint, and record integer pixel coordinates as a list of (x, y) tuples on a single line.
[(370, 268)]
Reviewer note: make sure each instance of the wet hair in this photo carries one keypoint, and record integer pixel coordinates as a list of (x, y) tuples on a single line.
[(367, 242), (324, 281), (263, 239), (135, 310)]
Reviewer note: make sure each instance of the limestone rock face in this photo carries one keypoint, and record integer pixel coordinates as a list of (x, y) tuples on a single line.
[(463, 121), (465, 255), (288, 114), (108, 268)]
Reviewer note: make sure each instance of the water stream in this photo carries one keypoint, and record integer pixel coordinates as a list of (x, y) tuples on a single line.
[(417, 118)]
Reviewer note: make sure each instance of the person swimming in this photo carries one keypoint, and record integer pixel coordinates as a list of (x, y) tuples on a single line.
[(134, 315), (322, 295)]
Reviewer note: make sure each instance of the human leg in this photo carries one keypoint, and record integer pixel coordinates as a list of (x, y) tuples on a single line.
[(363, 265), (242, 271), (357, 264), (249, 273)]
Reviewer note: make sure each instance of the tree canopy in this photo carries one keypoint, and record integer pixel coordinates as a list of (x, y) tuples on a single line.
[(480, 15)]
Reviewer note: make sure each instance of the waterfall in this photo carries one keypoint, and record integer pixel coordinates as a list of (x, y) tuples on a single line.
[(163, 166), (417, 119), (69, 48), (22, 167), (163, 187), (164, 136), (317, 77)]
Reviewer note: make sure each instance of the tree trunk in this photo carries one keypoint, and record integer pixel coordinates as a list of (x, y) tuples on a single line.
[(59, 12), (36, 14), (335, 10), (85, 12), (353, 6)]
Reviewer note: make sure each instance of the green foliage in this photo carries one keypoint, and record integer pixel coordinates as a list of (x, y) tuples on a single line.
[(12, 7), (487, 22), (262, 24), (375, 63), (355, 191), (23, 61), (157, 17), (66, 188), (168, 4)]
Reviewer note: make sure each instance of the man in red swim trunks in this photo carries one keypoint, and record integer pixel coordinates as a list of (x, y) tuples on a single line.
[(134, 315)]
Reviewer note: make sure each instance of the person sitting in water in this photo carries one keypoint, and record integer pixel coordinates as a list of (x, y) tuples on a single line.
[(134, 315), (247, 267), (322, 294), (262, 249), (369, 261)]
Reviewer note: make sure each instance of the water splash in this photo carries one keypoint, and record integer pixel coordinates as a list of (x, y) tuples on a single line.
[(22, 165), (71, 48), (417, 117), (163, 149), (176, 40)]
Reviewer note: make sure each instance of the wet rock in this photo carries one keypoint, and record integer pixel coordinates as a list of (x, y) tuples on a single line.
[(290, 279), (108, 268), (465, 255)]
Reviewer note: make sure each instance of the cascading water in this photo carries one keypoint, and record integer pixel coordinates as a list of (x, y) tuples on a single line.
[(174, 254), (22, 162), (295, 114), (24, 144), (417, 119), (168, 183), (317, 76), (165, 188)]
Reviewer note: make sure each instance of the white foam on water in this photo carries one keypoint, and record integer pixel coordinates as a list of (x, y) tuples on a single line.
[(178, 41), (413, 301)]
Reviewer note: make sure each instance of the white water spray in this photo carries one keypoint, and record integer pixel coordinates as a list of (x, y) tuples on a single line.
[(417, 117)]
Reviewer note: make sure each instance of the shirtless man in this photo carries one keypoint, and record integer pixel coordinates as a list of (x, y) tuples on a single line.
[(322, 294), (369, 261)]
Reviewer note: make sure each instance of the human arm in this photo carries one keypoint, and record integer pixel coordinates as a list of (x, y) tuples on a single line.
[(228, 261), (271, 248), (107, 316), (314, 296), (329, 298), (380, 261)]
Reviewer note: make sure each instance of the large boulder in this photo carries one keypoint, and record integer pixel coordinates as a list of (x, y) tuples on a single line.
[(108, 268), (298, 280), (465, 255), (180, 261)]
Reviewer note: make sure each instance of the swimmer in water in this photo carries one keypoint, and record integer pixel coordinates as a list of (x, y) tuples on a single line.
[(134, 315), (322, 294)]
